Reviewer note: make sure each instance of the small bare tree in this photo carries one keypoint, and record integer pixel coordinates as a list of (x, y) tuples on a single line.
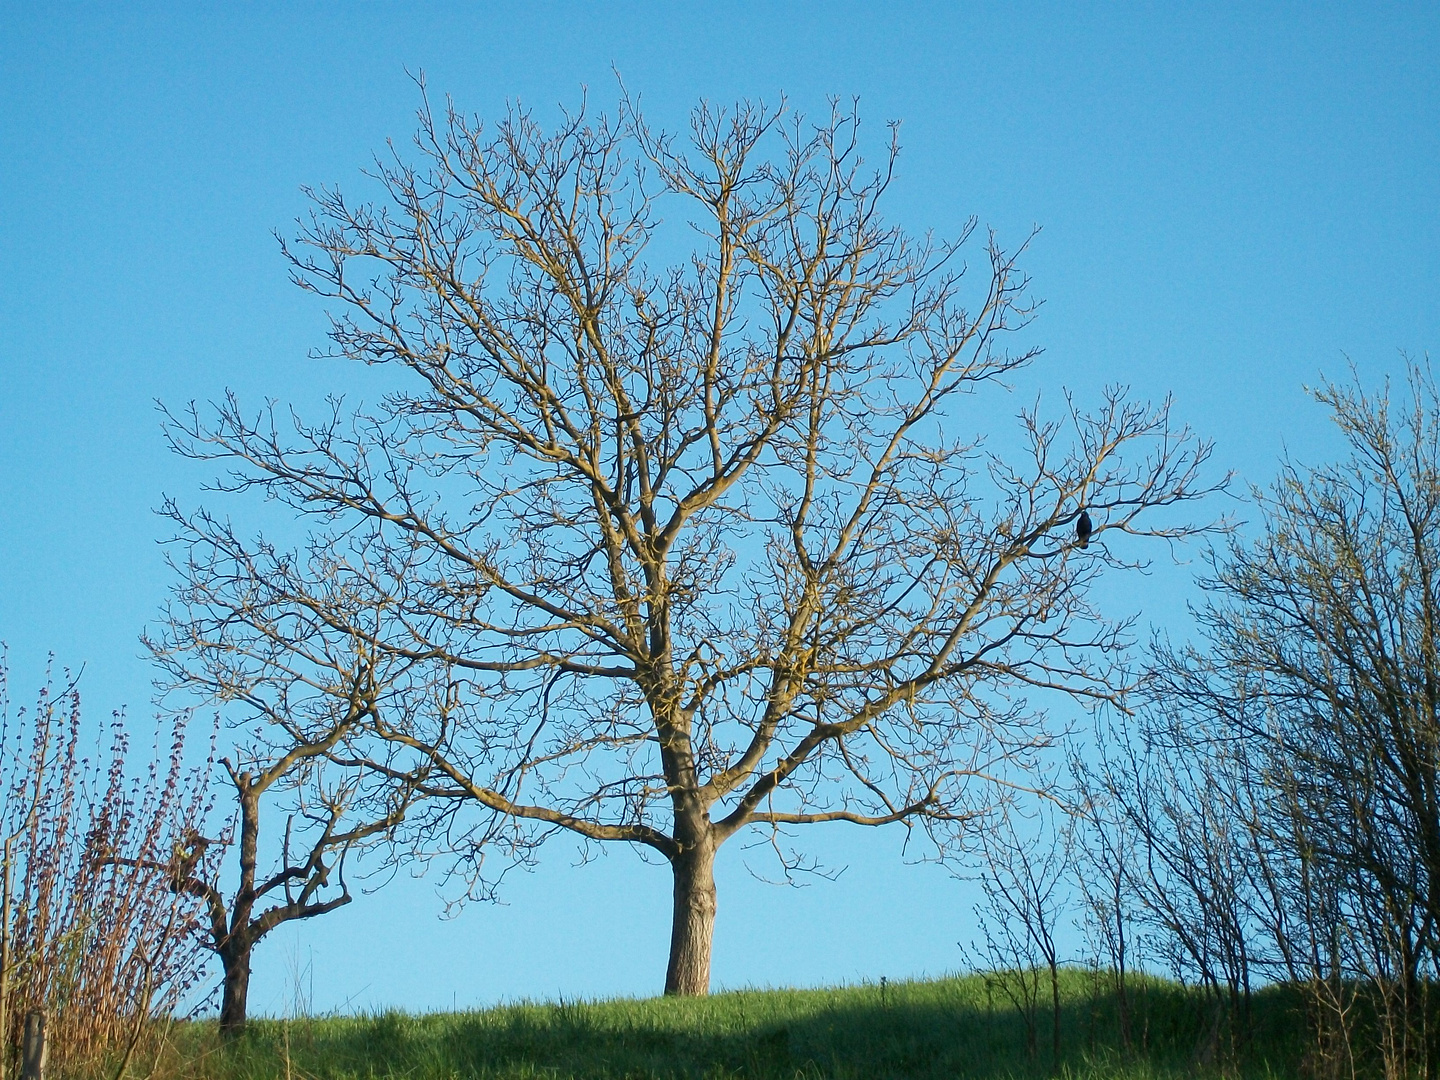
[(299, 722), (682, 519), (1174, 782), (1024, 880), (1320, 658), (1103, 851)]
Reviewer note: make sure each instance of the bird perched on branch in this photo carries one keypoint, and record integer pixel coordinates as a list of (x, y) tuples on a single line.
[(1083, 528)]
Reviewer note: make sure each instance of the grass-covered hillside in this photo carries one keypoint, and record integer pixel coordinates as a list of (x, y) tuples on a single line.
[(945, 1028)]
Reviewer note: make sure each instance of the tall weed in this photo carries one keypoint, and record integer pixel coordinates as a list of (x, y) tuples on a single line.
[(93, 928)]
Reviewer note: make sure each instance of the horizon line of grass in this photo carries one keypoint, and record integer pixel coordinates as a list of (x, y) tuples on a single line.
[(957, 1025)]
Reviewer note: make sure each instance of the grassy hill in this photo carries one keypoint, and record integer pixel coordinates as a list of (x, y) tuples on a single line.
[(944, 1028)]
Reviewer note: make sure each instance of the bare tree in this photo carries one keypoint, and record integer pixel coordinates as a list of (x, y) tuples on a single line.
[(682, 518), (1025, 873), (1103, 848), (1174, 782), (301, 720), (1319, 677)]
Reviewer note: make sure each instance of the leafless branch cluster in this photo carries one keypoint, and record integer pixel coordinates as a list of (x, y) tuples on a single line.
[(1278, 802), (1025, 870)]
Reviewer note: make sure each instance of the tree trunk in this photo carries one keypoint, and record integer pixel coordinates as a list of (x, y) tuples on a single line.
[(693, 930), (236, 963)]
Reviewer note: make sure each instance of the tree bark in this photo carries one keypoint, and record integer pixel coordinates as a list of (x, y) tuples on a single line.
[(234, 947), (693, 931), (236, 963)]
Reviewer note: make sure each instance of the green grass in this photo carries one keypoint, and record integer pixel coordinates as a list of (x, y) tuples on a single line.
[(942, 1028)]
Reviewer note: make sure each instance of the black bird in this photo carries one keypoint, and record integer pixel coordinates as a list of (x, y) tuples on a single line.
[(1083, 528)]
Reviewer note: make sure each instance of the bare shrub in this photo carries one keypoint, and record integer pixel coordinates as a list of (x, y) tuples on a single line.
[(99, 945), (1103, 847), (1024, 876)]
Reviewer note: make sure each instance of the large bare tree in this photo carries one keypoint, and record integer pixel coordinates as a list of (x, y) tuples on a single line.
[(679, 493)]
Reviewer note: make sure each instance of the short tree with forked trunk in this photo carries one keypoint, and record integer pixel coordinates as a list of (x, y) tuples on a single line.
[(301, 716), (677, 506)]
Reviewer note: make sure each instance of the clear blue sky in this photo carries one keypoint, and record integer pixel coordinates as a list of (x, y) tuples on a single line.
[(1233, 199)]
